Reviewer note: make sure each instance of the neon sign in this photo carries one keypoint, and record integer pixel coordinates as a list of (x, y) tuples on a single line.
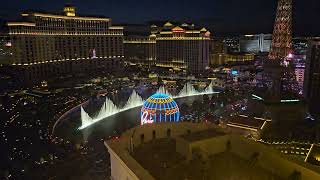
[(146, 118), (159, 108)]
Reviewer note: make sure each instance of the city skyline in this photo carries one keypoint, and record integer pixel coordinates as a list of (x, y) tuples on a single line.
[(217, 15), (160, 89)]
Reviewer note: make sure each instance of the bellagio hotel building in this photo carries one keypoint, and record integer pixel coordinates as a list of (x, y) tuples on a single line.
[(49, 45)]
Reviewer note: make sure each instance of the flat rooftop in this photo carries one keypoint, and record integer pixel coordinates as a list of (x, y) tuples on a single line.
[(190, 151), (165, 163), (201, 135)]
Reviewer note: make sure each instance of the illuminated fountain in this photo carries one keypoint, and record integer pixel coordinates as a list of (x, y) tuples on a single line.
[(86, 120), (188, 90), (108, 109), (163, 90), (135, 100)]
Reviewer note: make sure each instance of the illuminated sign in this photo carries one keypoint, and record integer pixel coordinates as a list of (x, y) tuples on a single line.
[(159, 108), (234, 72), (146, 118)]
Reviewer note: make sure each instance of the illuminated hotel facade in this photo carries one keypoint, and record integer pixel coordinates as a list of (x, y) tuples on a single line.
[(49, 45), (184, 47), (140, 49)]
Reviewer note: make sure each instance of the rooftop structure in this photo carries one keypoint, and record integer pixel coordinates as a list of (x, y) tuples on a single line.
[(196, 151), (247, 125)]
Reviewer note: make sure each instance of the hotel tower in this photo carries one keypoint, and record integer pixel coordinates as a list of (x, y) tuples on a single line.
[(47, 45)]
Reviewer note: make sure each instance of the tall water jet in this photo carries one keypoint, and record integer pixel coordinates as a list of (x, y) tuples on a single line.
[(109, 109), (135, 100), (86, 120), (188, 90), (209, 89), (163, 90), (102, 111)]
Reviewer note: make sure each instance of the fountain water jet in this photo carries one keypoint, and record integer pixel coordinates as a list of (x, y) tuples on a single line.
[(163, 90), (135, 100), (188, 90), (86, 120)]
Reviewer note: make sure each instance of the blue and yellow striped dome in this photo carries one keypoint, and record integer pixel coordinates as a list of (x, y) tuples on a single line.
[(159, 108)]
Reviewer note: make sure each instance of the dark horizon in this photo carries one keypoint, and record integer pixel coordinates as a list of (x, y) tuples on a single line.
[(220, 16)]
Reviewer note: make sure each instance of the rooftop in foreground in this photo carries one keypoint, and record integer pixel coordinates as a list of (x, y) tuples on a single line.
[(197, 136), (165, 163), (197, 151)]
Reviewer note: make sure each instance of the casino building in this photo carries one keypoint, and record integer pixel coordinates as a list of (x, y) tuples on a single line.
[(171, 46), (140, 49), (51, 45), (182, 46)]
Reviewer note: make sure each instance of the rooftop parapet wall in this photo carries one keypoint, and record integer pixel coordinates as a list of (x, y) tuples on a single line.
[(192, 138), (270, 159)]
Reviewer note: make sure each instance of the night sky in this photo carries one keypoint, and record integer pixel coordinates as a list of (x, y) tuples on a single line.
[(221, 16)]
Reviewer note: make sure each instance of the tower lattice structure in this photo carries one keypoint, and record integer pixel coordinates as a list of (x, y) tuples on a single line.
[(282, 77), (282, 32)]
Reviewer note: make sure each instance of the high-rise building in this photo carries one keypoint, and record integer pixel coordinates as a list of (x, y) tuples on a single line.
[(217, 46), (51, 45), (312, 76), (5, 49), (255, 43), (299, 73), (232, 44), (184, 46), (140, 49), (219, 54), (300, 47)]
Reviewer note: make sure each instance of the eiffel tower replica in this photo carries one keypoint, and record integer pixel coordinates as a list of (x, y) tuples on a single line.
[(279, 97), (281, 48)]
